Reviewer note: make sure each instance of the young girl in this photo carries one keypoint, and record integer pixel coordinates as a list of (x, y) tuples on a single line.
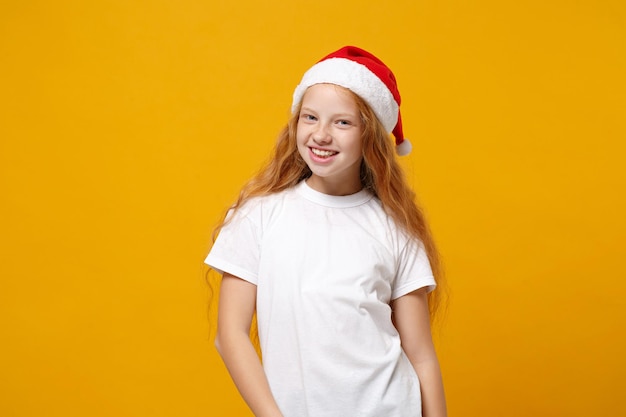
[(328, 248)]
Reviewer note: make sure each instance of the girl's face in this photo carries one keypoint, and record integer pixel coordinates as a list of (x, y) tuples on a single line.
[(329, 139)]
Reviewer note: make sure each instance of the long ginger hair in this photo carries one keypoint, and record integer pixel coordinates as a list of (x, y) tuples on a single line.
[(380, 173)]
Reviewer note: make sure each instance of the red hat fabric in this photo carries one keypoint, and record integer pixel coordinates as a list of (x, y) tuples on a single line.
[(368, 77)]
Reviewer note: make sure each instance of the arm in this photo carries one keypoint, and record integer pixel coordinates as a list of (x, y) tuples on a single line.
[(236, 308), (411, 318)]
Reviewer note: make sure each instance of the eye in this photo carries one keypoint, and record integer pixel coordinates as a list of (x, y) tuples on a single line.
[(308, 117), (344, 122)]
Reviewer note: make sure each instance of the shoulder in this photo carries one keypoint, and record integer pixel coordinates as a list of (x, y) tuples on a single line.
[(383, 220), (267, 201), (400, 239), (259, 207)]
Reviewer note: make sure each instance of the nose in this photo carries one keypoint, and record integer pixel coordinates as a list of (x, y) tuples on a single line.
[(321, 135)]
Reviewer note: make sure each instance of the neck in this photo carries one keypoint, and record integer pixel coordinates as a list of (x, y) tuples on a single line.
[(337, 188)]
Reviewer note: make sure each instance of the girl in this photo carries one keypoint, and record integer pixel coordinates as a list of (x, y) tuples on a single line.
[(328, 248)]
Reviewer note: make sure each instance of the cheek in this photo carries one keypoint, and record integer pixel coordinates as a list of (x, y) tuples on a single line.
[(299, 135), (301, 143), (302, 137), (357, 145)]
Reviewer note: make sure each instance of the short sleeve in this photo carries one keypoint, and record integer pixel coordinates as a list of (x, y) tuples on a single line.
[(414, 271), (236, 249)]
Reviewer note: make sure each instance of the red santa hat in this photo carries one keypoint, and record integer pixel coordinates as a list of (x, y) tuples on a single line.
[(368, 77)]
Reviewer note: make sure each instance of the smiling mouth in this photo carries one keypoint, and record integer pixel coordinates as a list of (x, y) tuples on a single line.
[(322, 153)]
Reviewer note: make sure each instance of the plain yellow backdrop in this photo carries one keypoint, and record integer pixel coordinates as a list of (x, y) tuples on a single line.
[(127, 127)]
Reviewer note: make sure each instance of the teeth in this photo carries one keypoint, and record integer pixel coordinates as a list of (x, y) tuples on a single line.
[(320, 152)]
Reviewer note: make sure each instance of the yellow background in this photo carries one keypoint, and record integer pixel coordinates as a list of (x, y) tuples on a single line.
[(126, 128)]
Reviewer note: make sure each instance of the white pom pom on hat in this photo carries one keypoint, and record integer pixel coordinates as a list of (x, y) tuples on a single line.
[(368, 77)]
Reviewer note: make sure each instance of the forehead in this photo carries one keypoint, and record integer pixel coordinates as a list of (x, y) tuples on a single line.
[(329, 93)]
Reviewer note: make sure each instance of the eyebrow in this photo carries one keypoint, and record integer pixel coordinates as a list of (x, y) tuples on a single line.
[(308, 109)]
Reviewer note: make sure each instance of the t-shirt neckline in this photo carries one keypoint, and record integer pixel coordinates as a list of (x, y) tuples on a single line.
[(334, 201)]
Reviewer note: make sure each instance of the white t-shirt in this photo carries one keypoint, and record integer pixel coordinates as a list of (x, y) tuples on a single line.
[(326, 268)]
